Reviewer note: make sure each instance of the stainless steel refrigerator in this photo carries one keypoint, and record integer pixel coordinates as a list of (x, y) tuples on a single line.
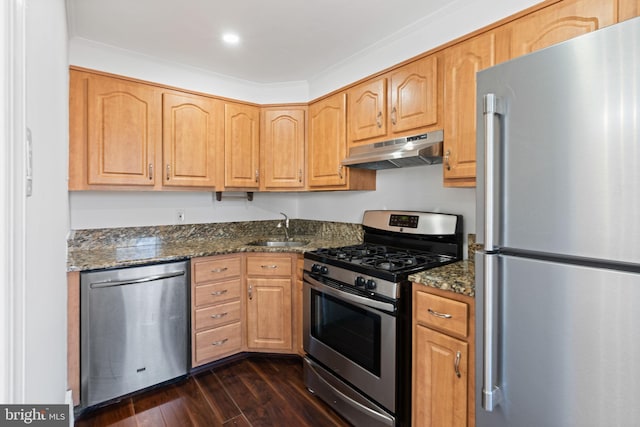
[(558, 198)]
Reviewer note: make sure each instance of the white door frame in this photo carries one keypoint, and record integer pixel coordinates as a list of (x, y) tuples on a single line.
[(12, 198)]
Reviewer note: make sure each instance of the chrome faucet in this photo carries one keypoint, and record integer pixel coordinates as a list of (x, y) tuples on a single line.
[(285, 227)]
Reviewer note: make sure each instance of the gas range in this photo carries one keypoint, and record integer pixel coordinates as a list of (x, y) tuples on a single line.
[(357, 313), (396, 245)]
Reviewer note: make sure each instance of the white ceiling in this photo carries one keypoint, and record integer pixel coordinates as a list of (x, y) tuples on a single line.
[(281, 40)]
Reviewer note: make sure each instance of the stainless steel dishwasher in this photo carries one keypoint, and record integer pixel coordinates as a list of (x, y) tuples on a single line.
[(134, 329)]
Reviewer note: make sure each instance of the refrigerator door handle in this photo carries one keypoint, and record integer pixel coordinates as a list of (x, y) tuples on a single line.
[(491, 393), (491, 110)]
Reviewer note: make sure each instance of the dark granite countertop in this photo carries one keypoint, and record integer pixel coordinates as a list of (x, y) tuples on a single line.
[(91, 259), (458, 277), (124, 247)]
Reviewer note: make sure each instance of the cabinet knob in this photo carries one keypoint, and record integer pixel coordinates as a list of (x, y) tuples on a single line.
[(340, 171), (300, 175), (168, 171), (393, 116), (250, 292), (257, 175), (379, 119), (151, 171)]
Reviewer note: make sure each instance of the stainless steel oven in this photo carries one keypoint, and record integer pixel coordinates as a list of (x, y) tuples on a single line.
[(357, 313), (351, 336)]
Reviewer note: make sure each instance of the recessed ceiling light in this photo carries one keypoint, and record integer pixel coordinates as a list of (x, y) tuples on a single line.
[(231, 38)]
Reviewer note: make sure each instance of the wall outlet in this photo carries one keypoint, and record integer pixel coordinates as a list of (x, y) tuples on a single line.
[(180, 216)]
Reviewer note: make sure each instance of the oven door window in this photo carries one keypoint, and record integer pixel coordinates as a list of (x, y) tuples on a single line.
[(348, 329)]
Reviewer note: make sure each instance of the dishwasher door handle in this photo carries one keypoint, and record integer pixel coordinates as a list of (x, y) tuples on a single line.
[(110, 283)]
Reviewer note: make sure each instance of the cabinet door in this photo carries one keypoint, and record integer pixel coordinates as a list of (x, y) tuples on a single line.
[(461, 63), (327, 142), (269, 313), (241, 146), (123, 127), (192, 133), (628, 9), (282, 147), (414, 95), (559, 22), (440, 379), (367, 110)]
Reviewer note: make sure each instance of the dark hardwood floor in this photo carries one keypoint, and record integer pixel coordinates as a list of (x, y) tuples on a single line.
[(256, 391)]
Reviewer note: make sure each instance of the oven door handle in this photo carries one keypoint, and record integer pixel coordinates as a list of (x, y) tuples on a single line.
[(356, 299)]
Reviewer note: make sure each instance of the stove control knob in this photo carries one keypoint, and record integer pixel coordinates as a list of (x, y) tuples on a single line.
[(324, 270), (316, 268), (360, 281), (371, 284)]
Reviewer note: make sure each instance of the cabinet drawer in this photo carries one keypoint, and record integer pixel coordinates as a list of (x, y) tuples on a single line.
[(213, 293), (216, 269), (269, 266), (217, 315), (217, 342), (442, 313)]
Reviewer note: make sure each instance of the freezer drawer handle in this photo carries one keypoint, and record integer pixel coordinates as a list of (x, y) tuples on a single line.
[(216, 343), (491, 392), (440, 315), (110, 283)]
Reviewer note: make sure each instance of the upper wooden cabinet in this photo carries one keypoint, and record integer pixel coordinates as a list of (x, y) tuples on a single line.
[(327, 142), (559, 22), (327, 147), (282, 153), (115, 126), (628, 9), (242, 146), (461, 63), (192, 139), (129, 135), (403, 101), (553, 24)]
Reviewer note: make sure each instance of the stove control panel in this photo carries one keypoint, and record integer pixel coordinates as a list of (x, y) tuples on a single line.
[(319, 269), (410, 221), (358, 280)]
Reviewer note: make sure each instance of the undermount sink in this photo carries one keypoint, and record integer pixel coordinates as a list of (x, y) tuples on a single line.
[(278, 243)]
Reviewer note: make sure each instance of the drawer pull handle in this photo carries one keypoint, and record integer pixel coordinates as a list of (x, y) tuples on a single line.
[(220, 342), (440, 315), (218, 293), (219, 270), (457, 364), (272, 266), (218, 316)]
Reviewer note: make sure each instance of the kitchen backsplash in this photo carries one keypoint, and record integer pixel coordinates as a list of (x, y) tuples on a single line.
[(104, 238)]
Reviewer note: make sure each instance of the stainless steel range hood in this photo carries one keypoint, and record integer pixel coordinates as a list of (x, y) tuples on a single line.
[(423, 149)]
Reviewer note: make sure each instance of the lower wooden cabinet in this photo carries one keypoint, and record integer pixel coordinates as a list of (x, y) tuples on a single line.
[(269, 283), (443, 357), (216, 308), (441, 375)]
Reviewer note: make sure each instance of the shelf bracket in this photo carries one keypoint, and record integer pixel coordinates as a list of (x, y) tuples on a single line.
[(249, 196)]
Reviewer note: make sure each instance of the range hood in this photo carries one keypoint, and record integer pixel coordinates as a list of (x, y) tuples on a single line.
[(423, 149)]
